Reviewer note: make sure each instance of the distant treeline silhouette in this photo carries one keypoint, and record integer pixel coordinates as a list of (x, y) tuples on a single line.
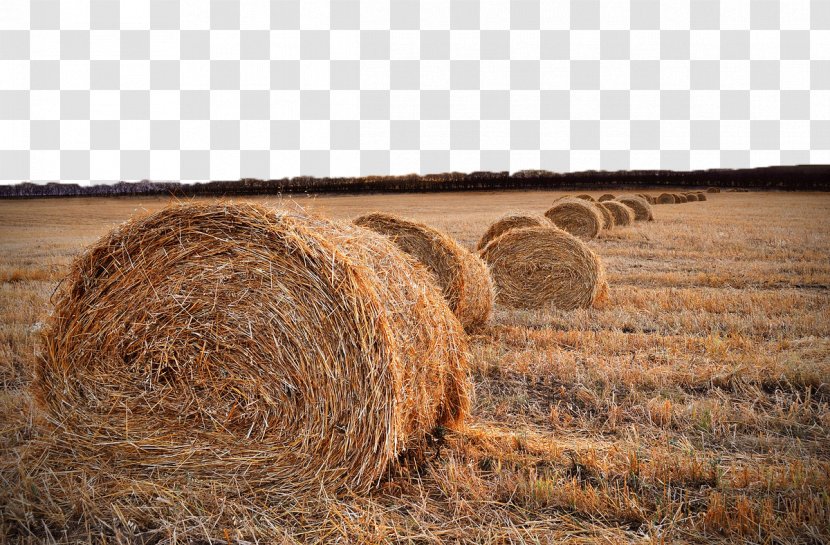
[(787, 178)]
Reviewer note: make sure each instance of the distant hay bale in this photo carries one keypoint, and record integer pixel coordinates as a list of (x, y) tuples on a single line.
[(680, 198), (461, 275), (701, 196), (690, 197), (586, 197), (508, 222), (642, 209), (577, 217), (607, 216), (623, 215), (539, 266), (666, 198), (712, 190), (215, 344), (606, 197)]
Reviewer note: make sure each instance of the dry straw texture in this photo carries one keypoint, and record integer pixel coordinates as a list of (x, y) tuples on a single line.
[(586, 197), (691, 197), (680, 198), (508, 222), (666, 198), (606, 197), (231, 345), (642, 209), (607, 216), (578, 217), (623, 215), (712, 190), (701, 196), (462, 276), (539, 266)]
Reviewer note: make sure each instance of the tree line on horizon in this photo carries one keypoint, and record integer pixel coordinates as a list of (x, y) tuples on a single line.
[(793, 178)]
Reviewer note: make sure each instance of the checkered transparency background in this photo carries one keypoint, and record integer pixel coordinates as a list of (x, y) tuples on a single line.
[(101, 90)]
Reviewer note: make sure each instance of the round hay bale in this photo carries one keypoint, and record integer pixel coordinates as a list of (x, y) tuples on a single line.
[(701, 196), (216, 344), (712, 190), (607, 216), (690, 197), (606, 197), (577, 217), (586, 197), (508, 222), (680, 198), (642, 209), (666, 198), (539, 266), (623, 215), (461, 275)]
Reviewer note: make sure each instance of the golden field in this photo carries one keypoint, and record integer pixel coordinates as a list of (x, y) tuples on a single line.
[(692, 406)]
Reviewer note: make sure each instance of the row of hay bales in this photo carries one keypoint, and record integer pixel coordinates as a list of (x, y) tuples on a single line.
[(224, 341), (585, 217)]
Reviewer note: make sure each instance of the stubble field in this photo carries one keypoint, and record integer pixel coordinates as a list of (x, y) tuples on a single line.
[(692, 406)]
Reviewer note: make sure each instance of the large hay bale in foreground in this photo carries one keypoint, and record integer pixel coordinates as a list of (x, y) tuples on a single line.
[(461, 275), (508, 222), (606, 197), (229, 344), (666, 198), (642, 209), (607, 216), (623, 215), (577, 217), (538, 266)]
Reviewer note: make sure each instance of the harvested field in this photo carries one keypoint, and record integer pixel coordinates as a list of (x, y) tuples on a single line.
[(691, 406)]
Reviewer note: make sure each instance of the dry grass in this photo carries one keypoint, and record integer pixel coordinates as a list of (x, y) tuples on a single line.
[(462, 276), (692, 407)]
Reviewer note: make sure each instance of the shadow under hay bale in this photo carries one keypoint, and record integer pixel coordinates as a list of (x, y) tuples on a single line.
[(508, 222), (607, 216), (642, 209), (577, 217), (538, 266), (218, 345), (462, 276), (623, 215)]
